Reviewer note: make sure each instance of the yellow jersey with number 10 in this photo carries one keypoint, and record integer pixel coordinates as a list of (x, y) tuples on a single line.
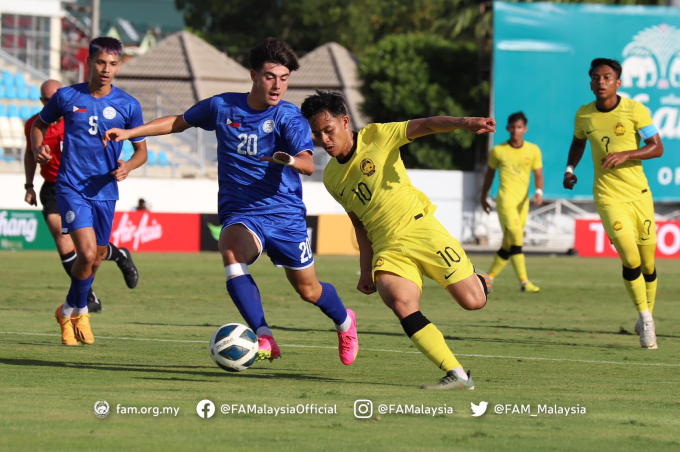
[(615, 131), (373, 183)]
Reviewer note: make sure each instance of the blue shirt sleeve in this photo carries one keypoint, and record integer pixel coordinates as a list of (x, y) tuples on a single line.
[(136, 119), (200, 115), (53, 110), (298, 135)]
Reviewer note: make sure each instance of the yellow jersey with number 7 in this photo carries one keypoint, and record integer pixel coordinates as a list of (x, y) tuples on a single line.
[(373, 184), (615, 130)]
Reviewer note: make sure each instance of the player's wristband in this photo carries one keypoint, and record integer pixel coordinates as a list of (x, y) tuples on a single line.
[(539, 191), (570, 169), (27, 186), (291, 162)]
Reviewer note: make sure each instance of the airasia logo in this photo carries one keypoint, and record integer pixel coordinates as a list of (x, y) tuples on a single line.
[(591, 240), (127, 231)]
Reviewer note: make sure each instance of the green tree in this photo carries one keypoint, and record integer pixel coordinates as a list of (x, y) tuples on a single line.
[(417, 75)]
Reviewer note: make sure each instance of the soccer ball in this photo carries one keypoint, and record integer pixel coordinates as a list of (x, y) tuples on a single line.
[(234, 347)]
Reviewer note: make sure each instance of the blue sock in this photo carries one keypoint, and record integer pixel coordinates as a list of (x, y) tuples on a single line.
[(331, 304), (70, 298), (78, 291), (246, 297)]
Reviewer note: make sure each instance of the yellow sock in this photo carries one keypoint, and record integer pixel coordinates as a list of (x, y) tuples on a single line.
[(498, 265), (520, 266), (637, 290), (431, 343), (651, 294)]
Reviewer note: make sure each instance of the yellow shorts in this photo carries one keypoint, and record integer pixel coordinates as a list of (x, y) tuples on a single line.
[(426, 250), (513, 217), (624, 218)]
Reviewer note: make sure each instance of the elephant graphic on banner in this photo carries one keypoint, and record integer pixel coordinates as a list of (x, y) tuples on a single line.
[(674, 72), (642, 68)]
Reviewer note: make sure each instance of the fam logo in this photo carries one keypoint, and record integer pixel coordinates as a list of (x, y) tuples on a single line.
[(367, 167), (653, 59)]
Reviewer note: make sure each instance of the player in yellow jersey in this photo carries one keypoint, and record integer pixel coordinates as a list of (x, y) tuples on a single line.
[(515, 160), (399, 238), (614, 127)]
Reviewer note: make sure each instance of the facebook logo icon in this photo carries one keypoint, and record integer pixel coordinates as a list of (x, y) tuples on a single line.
[(205, 409)]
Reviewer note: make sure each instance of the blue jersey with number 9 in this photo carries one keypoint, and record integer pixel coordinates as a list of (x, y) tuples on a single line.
[(247, 184), (86, 165)]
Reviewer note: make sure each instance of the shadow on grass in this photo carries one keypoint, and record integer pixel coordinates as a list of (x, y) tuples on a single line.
[(172, 371)]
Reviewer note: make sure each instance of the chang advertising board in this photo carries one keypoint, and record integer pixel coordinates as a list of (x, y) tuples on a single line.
[(542, 53), (24, 230)]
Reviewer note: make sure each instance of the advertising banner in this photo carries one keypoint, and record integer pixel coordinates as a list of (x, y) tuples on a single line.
[(542, 53), (24, 230), (211, 229), (157, 232), (591, 240)]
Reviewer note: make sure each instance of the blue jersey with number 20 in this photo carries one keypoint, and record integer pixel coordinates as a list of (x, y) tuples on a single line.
[(247, 184), (86, 165)]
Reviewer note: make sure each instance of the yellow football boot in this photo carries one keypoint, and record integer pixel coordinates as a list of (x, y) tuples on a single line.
[(529, 287), (67, 333), (81, 327)]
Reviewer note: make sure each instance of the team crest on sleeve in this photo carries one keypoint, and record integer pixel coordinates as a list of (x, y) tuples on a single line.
[(268, 126), (109, 112), (367, 167), (70, 216), (379, 262), (617, 226), (620, 129)]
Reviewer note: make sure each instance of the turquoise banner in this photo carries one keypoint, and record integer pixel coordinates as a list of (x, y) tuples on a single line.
[(542, 53)]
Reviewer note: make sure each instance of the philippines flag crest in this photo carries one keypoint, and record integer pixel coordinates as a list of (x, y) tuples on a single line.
[(79, 110), (230, 123)]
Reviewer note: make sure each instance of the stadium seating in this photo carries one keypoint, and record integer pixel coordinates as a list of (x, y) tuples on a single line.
[(128, 151), (7, 78), (2, 91), (163, 159), (35, 110), (22, 93), (151, 159), (25, 112), (33, 92), (19, 80), (10, 92)]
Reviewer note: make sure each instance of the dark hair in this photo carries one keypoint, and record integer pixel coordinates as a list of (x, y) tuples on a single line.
[(322, 101), (614, 64), (105, 44), (519, 116), (271, 50)]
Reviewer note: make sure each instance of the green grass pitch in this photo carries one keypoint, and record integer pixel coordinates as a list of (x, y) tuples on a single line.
[(570, 345)]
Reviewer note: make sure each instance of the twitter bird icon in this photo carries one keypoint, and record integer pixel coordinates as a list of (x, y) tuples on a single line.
[(478, 410)]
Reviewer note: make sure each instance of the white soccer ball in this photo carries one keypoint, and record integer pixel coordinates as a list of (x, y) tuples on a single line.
[(234, 347)]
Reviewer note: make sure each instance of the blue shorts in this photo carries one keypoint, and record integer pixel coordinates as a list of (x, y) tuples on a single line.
[(78, 212), (285, 238)]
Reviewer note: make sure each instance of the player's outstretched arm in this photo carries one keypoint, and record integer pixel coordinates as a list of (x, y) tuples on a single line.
[(161, 126), (138, 159), (366, 284), (578, 146), (652, 149), (41, 152), (488, 180), (441, 124), (303, 163)]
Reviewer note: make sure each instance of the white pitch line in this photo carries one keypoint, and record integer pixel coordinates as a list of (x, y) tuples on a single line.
[(528, 358)]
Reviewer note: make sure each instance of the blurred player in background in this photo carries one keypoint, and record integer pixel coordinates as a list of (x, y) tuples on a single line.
[(264, 144), (614, 127), (399, 238), (87, 182), (515, 160), (54, 137)]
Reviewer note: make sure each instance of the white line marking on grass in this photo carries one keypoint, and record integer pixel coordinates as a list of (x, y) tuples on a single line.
[(528, 358)]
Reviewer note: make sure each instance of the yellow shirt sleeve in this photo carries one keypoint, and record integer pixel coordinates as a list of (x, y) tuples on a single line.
[(538, 160), (578, 127), (493, 158), (641, 117), (390, 136)]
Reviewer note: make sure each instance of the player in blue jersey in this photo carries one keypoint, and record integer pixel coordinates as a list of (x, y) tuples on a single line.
[(264, 144), (87, 181)]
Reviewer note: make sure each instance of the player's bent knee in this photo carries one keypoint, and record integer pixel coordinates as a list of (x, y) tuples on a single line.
[(473, 301), (309, 292), (631, 274), (515, 249)]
